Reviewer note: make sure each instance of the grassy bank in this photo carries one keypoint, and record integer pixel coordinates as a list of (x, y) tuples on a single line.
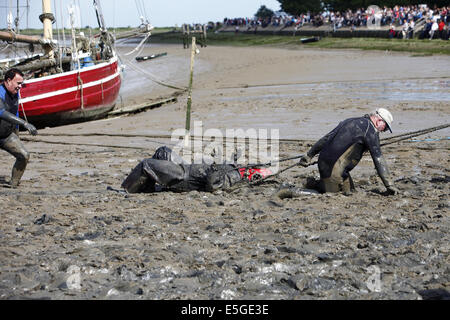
[(414, 46)]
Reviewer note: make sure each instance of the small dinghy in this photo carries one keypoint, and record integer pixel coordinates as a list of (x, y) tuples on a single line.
[(153, 56), (310, 39)]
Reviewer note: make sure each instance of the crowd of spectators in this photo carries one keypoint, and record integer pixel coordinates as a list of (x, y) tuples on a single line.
[(404, 16)]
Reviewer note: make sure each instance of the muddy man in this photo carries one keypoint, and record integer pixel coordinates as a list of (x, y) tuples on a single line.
[(10, 121), (168, 170), (341, 150)]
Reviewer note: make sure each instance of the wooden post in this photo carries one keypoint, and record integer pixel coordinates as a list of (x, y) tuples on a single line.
[(189, 101)]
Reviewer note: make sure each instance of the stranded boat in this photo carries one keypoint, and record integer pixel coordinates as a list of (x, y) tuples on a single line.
[(67, 85)]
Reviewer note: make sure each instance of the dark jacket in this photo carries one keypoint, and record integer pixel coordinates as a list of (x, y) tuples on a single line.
[(8, 103), (358, 133)]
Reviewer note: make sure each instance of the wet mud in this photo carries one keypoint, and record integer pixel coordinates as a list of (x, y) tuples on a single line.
[(70, 232)]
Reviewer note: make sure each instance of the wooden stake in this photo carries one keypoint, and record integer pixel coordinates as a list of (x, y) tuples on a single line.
[(189, 101)]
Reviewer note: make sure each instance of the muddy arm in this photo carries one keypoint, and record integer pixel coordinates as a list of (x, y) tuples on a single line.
[(9, 117), (317, 147), (379, 161)]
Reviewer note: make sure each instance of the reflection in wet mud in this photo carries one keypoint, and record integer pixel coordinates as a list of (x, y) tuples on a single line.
[(404, 90)]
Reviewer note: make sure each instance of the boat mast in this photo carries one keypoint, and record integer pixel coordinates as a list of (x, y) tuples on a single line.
[(17, 17), (28, 12), (100, 19), (47, 19)]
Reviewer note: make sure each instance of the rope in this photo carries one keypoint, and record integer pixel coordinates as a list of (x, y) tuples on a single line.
[(81, 87), (139, 10), (140, 5), (145, 11), (6, 47), (398, 138), (23, 111), (83, 144), (429, 140), (257, 182), (409, 135), (151, 77), (260, 181), (419, 131), (139, 45)]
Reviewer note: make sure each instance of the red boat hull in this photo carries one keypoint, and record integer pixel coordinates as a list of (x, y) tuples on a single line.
[(74, 96)]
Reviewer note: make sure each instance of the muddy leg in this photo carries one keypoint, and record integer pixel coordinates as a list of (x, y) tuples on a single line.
[(14, 146), (151, 171), (330, 185), (138, 181)]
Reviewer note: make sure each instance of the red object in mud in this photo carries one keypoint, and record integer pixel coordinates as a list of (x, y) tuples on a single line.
[(254, 173)]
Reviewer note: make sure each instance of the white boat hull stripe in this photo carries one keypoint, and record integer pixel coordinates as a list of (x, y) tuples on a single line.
[(97, 66)]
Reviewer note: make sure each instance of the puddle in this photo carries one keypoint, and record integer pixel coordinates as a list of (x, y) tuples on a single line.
[(401, 90)]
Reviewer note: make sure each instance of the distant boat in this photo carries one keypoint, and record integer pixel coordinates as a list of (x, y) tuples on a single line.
[(309, 39), (153, 56), (66, 86)]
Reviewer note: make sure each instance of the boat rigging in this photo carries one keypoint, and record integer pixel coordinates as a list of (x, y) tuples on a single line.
[(67, 84)]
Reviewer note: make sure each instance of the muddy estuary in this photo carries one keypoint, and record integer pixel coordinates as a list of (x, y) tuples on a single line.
[(69, 232)]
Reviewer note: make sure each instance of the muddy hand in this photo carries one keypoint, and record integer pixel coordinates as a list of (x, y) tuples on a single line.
[(305, 161), (31, 129)]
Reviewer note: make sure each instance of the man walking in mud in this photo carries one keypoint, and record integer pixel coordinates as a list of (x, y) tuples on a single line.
[(10, 122), (341, 150)]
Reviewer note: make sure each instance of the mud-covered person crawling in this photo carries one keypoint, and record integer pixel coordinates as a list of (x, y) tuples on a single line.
[(167, 171)]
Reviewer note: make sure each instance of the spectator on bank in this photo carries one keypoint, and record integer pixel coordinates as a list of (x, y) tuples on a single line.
[(405, 30), (356, 18), (426, 30), (447, 21), (392, 32), (434, 28), (411, 29), (441, 29)]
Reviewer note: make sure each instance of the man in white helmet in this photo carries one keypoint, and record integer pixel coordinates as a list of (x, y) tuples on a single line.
[(342, 149)]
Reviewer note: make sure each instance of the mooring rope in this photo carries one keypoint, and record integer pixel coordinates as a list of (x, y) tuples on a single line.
[(166, 136), (397, 138), (152, 77), (401, 137), (139, 45), (413, 134)]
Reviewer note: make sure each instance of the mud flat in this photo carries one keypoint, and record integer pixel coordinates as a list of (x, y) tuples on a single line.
[(67, 233)]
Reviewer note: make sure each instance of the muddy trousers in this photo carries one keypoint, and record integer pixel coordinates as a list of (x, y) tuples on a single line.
[(14, 146), (151, 171), (336, 182)]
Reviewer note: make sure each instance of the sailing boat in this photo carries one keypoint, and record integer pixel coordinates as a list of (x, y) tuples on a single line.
[(75, 84)]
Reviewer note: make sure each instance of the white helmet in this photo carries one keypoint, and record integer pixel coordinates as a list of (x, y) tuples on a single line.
[(386, 116)]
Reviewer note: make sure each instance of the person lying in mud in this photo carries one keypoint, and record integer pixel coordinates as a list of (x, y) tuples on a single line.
[(341, 150), (167, 170)]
